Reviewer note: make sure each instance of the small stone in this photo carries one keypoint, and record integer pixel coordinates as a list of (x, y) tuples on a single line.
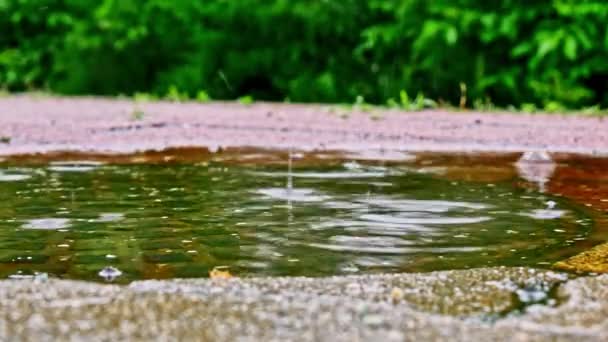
[(396, 294)]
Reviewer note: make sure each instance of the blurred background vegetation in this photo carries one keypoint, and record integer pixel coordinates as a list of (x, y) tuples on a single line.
[(533, 53)]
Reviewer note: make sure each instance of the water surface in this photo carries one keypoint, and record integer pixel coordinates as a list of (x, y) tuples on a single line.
[(72, 219)]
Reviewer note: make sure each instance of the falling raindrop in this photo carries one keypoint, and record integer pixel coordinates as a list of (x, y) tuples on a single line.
[(289, 184), (536, 167)]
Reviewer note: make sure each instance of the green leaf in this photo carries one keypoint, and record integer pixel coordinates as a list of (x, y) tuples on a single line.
[(246, 100), (202, 96), (451, 36), (405, 99), (582, 38), (547, 45), (429, 32), (521, 49), (570, 47)]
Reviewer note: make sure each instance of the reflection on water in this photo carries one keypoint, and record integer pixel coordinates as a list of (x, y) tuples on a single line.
[(87, 220), (109, 217), (46, 223), (14, 175), (297, 195), (7, 177), (74, 166)]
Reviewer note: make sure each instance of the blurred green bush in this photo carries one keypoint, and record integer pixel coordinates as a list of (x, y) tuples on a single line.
[(548, 53)]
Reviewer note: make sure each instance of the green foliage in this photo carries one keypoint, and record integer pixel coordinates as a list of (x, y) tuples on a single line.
[(418, 103), (246, 100), (143, 97), (202, 96), (173, 94), (528, 107), (548, 53)]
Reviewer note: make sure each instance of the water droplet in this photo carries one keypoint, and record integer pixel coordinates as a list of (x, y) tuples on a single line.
[(109, 273), (551, 204), (536, 167), (545, 214)]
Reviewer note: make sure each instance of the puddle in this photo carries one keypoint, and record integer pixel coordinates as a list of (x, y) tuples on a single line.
[(170, 215)]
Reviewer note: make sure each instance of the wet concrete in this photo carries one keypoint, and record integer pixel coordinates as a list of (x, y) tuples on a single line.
[(41, 124), (472, 305)]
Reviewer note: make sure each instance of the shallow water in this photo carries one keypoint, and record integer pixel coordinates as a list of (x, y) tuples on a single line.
[(340, 216)]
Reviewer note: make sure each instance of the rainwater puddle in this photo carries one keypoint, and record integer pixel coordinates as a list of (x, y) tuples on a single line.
[(172, 216)]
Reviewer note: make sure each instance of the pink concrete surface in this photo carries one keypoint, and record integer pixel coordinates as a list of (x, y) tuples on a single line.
[(41, 124)]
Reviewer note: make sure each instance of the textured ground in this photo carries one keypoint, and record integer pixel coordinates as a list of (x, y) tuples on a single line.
[(472, 305), (33, 124)]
